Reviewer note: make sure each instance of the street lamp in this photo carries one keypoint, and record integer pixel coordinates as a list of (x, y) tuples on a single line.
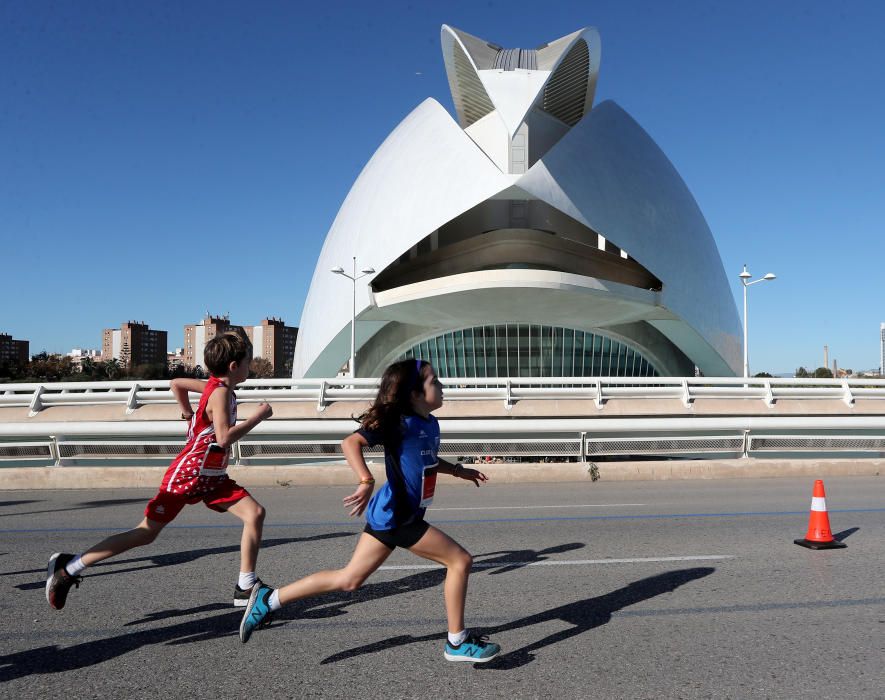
[(353, 278), (745, 277)]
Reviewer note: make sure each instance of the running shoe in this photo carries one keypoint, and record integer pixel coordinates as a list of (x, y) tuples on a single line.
[(476, 649), (241, 595), (59, 581), (257, 613)]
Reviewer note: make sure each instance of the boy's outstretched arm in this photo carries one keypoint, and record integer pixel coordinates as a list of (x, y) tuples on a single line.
[(181, 388), (226, 434)]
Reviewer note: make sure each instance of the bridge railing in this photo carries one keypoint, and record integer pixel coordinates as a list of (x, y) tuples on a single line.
[(512, 439), (132, 394)]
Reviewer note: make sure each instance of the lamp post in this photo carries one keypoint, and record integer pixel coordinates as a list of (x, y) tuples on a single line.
[(353, 278), (745, 277)]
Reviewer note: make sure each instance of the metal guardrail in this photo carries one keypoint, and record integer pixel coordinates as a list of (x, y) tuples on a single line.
[(591, 437), (322, 392), (576, 439)]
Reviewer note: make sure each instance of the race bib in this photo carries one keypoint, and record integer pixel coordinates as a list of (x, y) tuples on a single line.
[(214, 461), (428, 485)]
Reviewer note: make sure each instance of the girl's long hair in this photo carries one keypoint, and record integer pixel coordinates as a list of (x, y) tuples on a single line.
[(394, 398)]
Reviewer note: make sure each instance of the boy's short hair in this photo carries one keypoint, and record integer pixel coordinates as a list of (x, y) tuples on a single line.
[(223, 349)]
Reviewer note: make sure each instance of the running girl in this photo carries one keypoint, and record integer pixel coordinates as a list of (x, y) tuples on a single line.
[(401, 420)]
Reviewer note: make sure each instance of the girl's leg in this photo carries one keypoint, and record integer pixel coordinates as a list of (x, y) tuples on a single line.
[(367, 557), (144, 533), (439, 547), (251, 512)]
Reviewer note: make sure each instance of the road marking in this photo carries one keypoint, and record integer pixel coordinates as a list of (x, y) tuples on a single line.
[(576, 505), (561, 562), (468, 521)]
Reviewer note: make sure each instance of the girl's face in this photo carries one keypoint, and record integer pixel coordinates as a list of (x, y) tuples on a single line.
[(429, 396)]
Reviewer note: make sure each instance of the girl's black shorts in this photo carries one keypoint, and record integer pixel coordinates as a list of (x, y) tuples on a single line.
[(405, 536)]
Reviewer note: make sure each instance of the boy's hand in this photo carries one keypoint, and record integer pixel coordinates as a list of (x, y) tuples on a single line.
[(264, 411)]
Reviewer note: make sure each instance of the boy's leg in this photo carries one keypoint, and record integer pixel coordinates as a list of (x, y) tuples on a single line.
[(64, 569), (251, 512), (143, 533), (439, 547)]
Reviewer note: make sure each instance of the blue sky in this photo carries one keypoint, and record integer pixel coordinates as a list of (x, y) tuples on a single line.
[(158, 160)]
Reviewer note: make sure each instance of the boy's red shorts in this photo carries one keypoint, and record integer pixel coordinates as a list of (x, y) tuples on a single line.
[(163, 507)]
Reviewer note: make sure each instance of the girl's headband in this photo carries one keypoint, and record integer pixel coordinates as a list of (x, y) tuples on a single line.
[(417, 375)]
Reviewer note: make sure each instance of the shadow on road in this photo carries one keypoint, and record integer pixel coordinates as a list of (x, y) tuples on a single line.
[(333, 604), (583, 615), (170, 559), (56, 659), (845, 534), (3, 504), (85, 505)]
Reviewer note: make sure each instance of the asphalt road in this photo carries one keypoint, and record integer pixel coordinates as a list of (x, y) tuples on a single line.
[(678, 589)]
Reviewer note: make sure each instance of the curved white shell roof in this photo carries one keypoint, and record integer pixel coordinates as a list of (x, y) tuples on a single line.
[(604, 172)]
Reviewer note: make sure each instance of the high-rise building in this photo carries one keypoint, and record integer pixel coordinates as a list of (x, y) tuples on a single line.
[(273, 340), (134, 343), (13, 352)]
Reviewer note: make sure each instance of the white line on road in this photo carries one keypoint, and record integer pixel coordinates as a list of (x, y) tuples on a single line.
[(563, 562), (577, 505)]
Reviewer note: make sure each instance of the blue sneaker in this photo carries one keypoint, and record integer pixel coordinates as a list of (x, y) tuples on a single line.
[(257, 613), (475, 649)]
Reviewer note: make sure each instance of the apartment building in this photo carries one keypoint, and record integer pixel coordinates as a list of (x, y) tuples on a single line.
[(134, 343)]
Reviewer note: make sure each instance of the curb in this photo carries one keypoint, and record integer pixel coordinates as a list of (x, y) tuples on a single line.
[(33, 478)]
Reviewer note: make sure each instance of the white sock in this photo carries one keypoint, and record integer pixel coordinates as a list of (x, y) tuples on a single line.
[(75, 566), (246, 580), (274, 600), (455, 638)]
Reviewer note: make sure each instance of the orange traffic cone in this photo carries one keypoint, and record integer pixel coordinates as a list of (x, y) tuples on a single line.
[(819, 535)]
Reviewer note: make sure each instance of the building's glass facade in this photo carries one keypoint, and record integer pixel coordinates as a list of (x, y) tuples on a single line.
[(529, 350)]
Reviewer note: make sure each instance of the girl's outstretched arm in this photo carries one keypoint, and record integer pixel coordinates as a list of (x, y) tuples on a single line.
[(462, 472), (352, 447)]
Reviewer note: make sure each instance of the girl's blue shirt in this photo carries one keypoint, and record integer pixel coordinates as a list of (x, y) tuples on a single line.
[(411, 468)]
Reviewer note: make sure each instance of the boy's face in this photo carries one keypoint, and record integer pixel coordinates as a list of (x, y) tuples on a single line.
[(239, 371)]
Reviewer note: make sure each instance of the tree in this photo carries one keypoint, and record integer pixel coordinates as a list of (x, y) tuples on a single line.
[(155, 370), (260, 368), (112, 368), (823, 373), (87, 366), (802, 373), (46, 367), (764, 375)]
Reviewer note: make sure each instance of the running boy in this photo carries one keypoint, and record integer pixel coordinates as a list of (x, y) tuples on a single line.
[(400, 419), (198, 473)]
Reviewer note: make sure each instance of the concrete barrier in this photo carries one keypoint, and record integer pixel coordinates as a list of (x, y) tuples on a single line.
[(15, 478)]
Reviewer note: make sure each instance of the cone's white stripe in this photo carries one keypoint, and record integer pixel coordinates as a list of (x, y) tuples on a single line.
[(819, 504)]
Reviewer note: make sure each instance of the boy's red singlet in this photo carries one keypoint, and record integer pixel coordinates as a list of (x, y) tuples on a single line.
[(202, 465)]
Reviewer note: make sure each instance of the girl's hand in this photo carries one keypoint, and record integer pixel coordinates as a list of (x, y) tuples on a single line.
[(359, 499), (473, 475)]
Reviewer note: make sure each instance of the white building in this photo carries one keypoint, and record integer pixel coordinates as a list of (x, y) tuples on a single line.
[(882, 348), (537, 235), (77, 355)]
